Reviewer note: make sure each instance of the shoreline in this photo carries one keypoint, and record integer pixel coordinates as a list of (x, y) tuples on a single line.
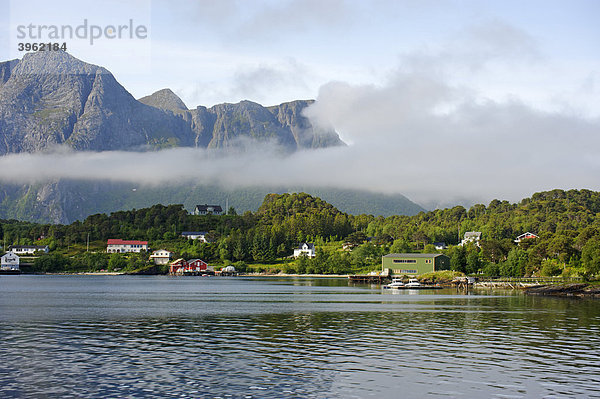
[(574, 290), (580, 290)]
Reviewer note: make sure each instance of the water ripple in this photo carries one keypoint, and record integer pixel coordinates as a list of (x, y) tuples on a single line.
[(181, 338)]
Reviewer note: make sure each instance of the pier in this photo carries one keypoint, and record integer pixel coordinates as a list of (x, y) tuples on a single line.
[(370, 279)]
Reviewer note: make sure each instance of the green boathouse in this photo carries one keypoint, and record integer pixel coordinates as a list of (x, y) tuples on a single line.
[(414, 264)]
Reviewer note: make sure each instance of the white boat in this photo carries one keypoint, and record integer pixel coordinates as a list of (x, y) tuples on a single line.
[(396, 283), (412, 283)]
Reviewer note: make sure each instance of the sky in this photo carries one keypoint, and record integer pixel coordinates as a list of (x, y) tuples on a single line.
[(443, 101)]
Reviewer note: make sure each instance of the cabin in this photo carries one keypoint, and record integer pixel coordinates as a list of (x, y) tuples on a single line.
[(195, 235), (306, 249), (414, 264), (193, 266), (28, 249), (471, 236), (117, 246), (9, 261), (526, 236), (208, 210), (161, 257)]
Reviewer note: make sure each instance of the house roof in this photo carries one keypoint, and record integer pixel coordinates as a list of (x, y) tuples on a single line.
[(117, 241), (216, 208), (474, 234), (412, 255), (310, 245), (161, 250), (10, 253), (527, 234), (193, 233), (40, 247)]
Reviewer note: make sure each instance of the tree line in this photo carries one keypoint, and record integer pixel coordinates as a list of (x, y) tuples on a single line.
[(567, 223)]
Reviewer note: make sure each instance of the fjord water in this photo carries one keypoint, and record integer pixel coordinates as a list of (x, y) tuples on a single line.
[(199, 337)]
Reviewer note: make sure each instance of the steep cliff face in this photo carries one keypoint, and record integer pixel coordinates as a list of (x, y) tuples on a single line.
[(305, 134), (52, 98), (252, 120), (222, 125)]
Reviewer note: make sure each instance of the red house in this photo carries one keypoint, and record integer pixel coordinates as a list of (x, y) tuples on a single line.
[(526, 236), (181, 266)]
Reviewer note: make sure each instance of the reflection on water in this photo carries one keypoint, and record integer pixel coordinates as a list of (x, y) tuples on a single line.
[(71, 336)]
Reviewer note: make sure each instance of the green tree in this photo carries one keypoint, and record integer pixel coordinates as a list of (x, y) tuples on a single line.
[(52, 263), (302, 264), (400, 246), (458, 260), (429, 249), (116, 262), (590, 256), (473, 263)]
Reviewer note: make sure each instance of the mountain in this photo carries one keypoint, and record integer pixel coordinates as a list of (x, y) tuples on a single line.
[(165, 99), (66, 201), (51, 98)]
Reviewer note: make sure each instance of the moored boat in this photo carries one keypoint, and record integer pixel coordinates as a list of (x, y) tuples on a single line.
[(413, 283), (396, 283)]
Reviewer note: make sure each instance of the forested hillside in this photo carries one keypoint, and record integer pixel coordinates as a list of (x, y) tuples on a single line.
[(567, 223)]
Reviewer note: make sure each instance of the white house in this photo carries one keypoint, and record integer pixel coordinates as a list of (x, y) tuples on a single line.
[(195, 235), (471, 236), (305, 248), (9, 261), (161, 257), (440, 245), (526, 236), (208, 210), (122, 246), (28, 249)]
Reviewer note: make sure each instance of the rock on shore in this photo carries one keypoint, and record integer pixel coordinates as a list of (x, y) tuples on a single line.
[(579, 290)]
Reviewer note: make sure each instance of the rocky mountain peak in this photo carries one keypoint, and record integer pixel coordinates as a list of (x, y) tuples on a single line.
[(164, 99), (54, 63)]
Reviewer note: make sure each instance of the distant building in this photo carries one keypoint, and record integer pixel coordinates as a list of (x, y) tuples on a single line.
[(124, 246), (440, 245), (349, 246), (161, 257), (28, 249), (208, 210), (305, 248), (195, 235), (182, 266), (9, 261), (414, 264), (526, 236), (471, 236)]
